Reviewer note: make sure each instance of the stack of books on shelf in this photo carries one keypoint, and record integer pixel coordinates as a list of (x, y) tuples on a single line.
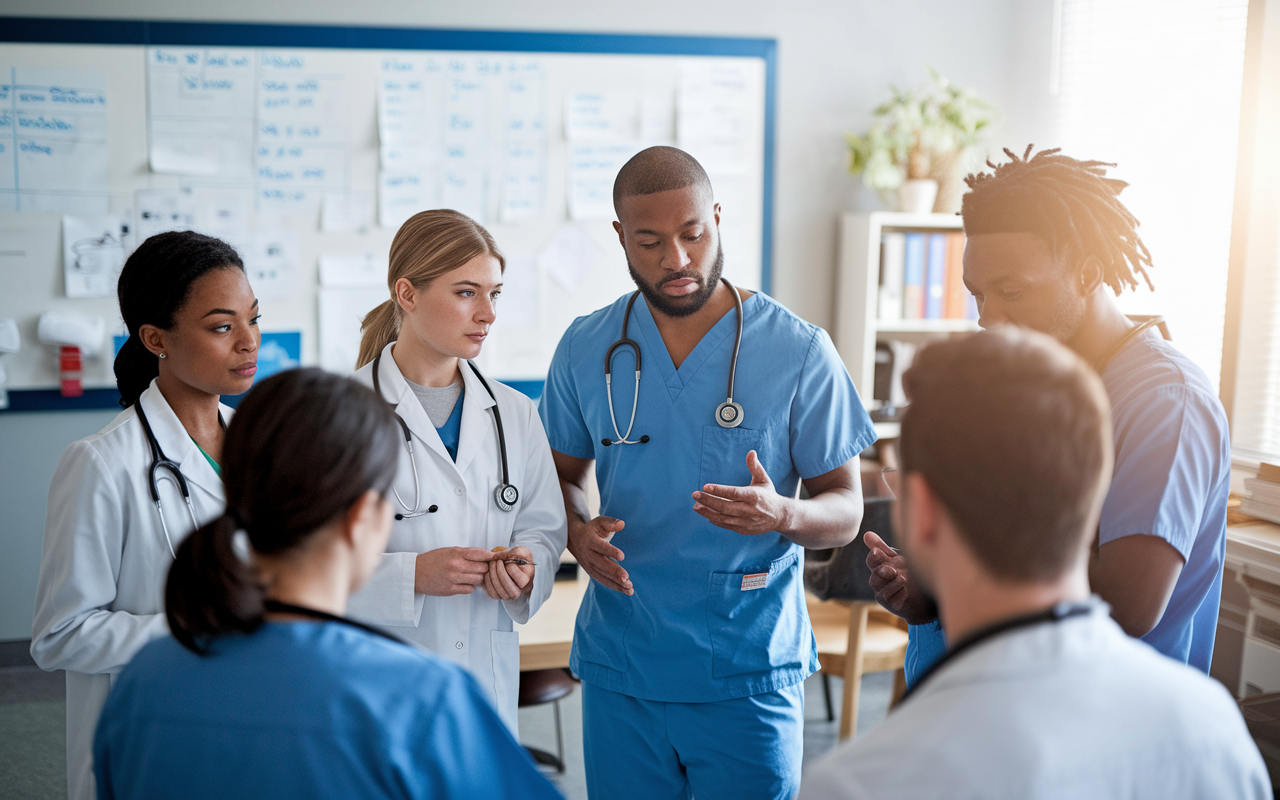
[(921, 277), (1263, 494)]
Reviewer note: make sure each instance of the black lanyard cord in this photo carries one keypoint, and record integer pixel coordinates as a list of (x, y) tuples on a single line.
[(302, 611), (1057, 613)]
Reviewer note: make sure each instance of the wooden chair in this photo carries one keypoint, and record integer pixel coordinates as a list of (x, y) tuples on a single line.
[(854, 638)]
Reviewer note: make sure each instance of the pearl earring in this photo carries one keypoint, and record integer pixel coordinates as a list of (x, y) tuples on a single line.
[(162, 355)]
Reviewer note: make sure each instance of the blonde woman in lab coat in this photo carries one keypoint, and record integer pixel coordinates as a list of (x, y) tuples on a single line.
[(441, 582), (193, 336)]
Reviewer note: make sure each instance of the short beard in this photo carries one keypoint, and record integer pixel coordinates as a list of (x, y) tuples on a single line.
[(689, 304)]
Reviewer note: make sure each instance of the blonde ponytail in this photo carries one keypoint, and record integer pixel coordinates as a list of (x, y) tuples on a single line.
[(380, 328), (428, 245)]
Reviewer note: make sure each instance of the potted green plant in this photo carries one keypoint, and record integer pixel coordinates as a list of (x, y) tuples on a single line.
[(920, 138)]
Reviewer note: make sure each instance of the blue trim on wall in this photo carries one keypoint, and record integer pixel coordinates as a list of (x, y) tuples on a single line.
[(41, 30), (21, 400)]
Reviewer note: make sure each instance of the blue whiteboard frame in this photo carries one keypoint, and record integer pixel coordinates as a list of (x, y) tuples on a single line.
[(43, 30)]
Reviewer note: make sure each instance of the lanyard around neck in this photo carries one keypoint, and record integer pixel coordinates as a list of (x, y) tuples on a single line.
[(1057, 613), (302, 611)]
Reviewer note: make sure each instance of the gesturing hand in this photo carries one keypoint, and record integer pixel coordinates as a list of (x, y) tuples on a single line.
[(892, 584), (589, 543), (507, 580), (749, 510), (451, 570)]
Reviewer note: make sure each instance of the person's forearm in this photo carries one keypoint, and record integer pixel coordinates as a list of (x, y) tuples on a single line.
[(830, 519), (575, 503)]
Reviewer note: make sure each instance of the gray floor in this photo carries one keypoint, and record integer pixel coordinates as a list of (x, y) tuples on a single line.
[(32, 747)]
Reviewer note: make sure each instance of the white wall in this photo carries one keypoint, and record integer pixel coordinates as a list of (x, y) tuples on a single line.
[(835, 60)]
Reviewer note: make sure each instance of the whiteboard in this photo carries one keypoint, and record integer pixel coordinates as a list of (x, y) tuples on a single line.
[(546, 299)]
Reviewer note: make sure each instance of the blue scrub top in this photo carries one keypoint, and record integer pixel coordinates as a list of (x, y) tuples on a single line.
[(1172, 477), (304, 710), (692, 632)]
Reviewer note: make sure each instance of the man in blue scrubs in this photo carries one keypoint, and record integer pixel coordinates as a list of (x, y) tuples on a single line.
[(693, 641), (1047, 237)]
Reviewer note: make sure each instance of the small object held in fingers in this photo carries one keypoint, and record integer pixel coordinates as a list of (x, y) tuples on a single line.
[(519, 562)]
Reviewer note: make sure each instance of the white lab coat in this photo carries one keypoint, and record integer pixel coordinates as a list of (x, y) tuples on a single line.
[(100, 596), (472, 630)]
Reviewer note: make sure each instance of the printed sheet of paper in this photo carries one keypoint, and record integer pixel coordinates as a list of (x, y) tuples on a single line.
[(518, 303), (302, 129), (160, 210), (271, 263), (592, 170), (92, 254), (569, 256), (341, 312), (53, 140), (716, 108), (609, 115), (525, 171), (367, 269), (465, 168), (200, 111), (410, 110), (403, 193)]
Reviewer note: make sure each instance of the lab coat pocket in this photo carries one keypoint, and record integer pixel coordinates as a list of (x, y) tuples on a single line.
[(757, 619), (724, 455), (505, 651)]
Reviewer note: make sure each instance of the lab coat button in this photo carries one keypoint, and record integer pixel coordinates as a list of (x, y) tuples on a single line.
[(459, 491), (458, 645)]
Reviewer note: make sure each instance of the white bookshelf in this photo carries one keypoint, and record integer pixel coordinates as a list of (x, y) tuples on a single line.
[(857, 327)]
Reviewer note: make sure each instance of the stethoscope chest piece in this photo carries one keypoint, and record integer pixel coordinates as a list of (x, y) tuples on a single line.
[(729, 414), (506, 496)]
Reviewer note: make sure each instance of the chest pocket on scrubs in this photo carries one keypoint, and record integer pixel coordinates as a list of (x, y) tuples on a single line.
[(758, 630), (724, 455)]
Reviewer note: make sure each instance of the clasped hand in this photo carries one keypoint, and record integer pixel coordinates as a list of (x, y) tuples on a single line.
[(749, 510), (448, 571)]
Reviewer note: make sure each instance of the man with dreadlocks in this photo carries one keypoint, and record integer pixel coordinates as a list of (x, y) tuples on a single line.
[(1047, 240)]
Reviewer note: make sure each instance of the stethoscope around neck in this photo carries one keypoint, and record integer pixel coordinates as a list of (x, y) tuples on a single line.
[(728, 414), (160, 465), (505, 496)]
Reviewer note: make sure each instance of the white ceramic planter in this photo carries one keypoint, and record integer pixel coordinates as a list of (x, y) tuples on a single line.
[(917, 196)]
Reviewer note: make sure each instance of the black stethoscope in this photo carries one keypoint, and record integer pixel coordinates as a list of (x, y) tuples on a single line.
[(160, 464), (1134, 333), (505, 496), (1058, 613), (728, 414)]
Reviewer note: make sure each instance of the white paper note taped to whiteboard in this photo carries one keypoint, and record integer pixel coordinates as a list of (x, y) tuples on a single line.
[(592, 170), (518, 304), (54, 137), (341, 313), (347, 271), (610, 115), (569, 257), (92, 254), (200, 111), (716, 111), (271, 263), (401, 194)]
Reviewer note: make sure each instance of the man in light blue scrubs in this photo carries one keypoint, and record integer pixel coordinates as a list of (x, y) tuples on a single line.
[(1047, 237), (693, 641)]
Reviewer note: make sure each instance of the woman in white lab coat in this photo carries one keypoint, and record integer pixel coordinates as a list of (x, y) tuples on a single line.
[(193, 336), (441, 583)]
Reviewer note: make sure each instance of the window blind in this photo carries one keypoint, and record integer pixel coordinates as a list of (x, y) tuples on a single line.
[(1154, 86), (1255, 419)]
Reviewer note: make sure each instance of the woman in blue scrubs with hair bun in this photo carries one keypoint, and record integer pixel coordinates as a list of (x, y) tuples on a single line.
[(265, 689)]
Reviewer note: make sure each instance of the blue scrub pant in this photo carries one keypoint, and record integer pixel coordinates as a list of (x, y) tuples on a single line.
[(735, 749)]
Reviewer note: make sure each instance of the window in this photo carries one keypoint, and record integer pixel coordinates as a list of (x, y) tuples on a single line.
[(1251, 383), (1155, 86)]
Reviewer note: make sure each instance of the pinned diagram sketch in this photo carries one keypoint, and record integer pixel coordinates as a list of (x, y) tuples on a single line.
[(53, 140), (93, 254)]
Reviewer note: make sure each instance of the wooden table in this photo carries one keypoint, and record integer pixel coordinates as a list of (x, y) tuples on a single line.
[(545, 641)]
